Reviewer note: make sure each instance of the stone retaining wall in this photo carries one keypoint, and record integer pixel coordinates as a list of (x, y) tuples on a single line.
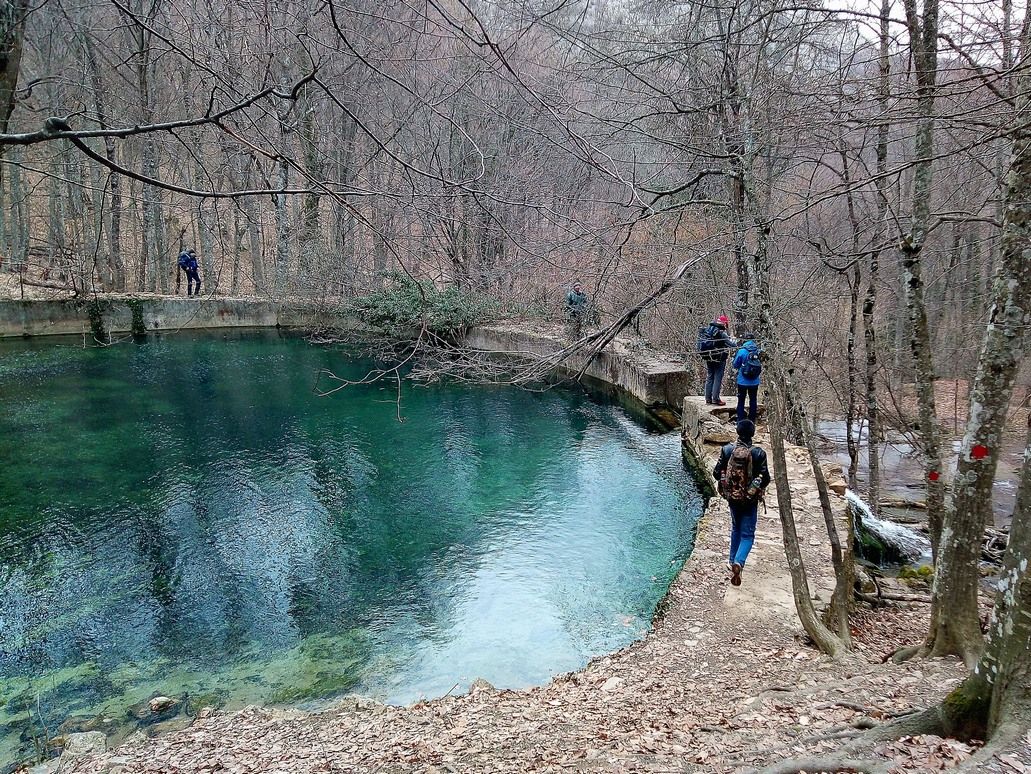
[(72, 316), (650, 376), (158, 313), (627, 366)]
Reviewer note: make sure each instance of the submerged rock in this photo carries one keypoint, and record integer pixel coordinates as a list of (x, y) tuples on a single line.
[(86, 743), (161, 704), (155, 709), (77, 724)]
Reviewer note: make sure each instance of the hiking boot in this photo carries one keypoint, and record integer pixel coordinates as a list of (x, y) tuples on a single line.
[(720, 403), (735, 574)]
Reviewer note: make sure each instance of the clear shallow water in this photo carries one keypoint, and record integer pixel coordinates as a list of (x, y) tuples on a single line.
[(186, 517)]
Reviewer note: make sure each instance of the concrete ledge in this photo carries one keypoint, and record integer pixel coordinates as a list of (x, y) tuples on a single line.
[(627, 367), (158, 313), (650, 376), (72, 316)]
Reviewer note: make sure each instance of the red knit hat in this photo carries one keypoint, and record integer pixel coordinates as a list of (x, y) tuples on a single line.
[(722, 319)]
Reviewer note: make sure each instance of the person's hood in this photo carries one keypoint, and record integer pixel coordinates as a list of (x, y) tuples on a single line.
[(751, 346)]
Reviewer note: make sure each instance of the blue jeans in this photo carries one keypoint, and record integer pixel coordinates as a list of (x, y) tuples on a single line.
[(192, 276), (714, 379), (743, 518), (752, 394)]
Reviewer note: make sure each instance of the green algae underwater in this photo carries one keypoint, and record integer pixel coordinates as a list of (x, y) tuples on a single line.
[(184, 516)]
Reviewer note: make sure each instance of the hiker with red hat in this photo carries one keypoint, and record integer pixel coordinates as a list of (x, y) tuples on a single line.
[(714, 346)]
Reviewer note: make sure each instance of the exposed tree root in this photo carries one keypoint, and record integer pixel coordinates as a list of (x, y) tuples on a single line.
[(928, 721), (882, 598), (1005, 735), (828, 764), (903, 655)]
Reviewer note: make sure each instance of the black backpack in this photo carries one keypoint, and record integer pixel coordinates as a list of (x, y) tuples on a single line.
[(707, 343), (752, 367)]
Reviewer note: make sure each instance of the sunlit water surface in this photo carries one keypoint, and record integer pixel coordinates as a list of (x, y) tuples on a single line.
[(186, 517)]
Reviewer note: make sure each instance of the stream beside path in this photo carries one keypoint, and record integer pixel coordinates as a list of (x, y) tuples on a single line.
[(902, 475)]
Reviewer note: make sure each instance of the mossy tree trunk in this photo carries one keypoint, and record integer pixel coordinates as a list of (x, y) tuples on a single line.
[(955, 625), (994, 702)]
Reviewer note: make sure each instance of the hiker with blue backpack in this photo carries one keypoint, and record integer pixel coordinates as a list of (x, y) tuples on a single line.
[(749, 369), (714, 346), (188, 263)]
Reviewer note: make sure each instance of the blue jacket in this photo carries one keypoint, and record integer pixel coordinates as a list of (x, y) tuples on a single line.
[(739, 360), (187, 262)]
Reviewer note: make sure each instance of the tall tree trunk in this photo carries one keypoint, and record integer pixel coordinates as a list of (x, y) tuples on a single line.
[(250, 212), (115, 267), (239, 229), (282, 217), (873, 413), (824, 638), (955, 625), (994, 702), (854, 438), (923, 34), (310, 238), (20, 213), (12, 32), (741, 259), (57, 241), (793, 415)]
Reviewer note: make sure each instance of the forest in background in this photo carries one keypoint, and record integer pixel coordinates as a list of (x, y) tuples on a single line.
[(510, 148), (852, 184)]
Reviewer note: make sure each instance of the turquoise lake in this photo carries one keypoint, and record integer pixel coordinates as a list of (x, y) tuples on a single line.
[(185, 516)]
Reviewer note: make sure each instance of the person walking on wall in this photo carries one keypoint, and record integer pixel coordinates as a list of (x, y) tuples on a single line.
[(749, 372), (742, 475), (714, 346)]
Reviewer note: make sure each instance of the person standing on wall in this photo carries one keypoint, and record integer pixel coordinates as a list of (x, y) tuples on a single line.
[(749, 372), (714, 346), (188, 263), (742, 475), (577, 308)]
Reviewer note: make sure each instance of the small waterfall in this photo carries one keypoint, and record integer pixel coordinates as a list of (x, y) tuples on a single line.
[(883, 541)]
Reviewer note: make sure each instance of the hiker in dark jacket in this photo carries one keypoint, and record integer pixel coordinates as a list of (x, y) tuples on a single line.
[(749, 371), (576, 302), (188, 263), (742, 475), (714, 346)]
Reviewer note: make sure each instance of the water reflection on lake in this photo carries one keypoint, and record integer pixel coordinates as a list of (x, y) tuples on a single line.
[(186, 517)]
